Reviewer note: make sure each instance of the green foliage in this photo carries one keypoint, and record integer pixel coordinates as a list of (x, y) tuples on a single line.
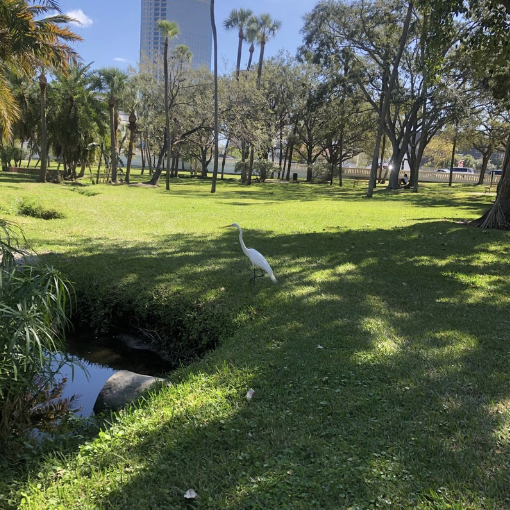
[(180, 327), (263, 169), (469, 161), (86, 192), (29, 207), (9, 155), (321, 172), (34, 302), (241, 166)]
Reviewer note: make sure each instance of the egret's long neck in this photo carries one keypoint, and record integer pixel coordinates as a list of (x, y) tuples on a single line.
[(243, 246)]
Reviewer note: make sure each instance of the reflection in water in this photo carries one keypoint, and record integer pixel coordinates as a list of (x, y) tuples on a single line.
[(101, 357)]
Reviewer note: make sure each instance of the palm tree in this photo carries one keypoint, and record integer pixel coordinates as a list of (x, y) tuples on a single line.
[(30, 40), (170, 30), (112, 81), (77, 117), (252, 33), (266, 28), (131, 101), (238, 19)]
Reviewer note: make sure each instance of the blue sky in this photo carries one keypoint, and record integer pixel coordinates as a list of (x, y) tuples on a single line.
[(111, 29)]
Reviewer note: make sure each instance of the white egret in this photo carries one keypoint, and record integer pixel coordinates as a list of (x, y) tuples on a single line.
[(257, 259)]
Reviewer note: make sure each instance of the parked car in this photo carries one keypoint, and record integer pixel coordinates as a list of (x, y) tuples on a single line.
[(495, 172), (458, 170), (463, 170)]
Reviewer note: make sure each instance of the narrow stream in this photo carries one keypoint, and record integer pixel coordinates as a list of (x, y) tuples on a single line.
[(102, 357)]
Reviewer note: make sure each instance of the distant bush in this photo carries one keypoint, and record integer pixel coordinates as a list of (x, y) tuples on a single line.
[(8, 155), (263, 169), (321, 172), (31, 208)]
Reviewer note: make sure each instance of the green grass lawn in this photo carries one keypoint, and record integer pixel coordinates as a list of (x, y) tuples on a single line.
[(380, 361)]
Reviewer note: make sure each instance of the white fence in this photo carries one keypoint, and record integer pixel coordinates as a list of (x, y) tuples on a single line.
[(359, 172)]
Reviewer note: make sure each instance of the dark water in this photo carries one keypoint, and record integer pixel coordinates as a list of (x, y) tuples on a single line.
[(101, 357)]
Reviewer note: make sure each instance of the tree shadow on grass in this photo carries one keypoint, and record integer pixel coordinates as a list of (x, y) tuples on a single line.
[(381, 369)]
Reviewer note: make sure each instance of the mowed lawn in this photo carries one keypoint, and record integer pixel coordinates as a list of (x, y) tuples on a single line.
[(380, 361)]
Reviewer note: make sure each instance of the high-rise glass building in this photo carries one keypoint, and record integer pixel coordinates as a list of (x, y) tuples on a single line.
[(194, 21)]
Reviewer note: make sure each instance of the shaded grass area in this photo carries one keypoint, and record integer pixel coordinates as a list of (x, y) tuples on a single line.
[(380, 361)]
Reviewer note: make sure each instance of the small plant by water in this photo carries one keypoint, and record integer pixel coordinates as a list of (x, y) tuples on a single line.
[(35, 302)]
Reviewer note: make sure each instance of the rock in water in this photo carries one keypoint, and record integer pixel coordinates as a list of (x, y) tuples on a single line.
[(124, 387)]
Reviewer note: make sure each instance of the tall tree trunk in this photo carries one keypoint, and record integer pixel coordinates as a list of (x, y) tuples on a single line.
[(340, 166), (486, 156), (498, 216), (43, 82), (383, 149), (261, 59), (239, 51), (167, 118), (132, 131), (250, 50), (452, 160), (113, 137), (82, 168), (224, 158), (387, 97), (422, 143), (99, 164), (159, 167), (215, 58), (250, 168)]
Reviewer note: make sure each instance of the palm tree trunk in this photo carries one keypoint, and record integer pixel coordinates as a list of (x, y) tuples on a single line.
[(239, 50), (215, 57), (251, 50), (43, 82), (261, 59), (113, 139), (167, 116), (132, 130)]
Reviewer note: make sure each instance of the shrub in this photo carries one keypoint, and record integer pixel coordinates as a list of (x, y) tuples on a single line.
[(321, 172), (8, 155), (34, 302), (31, 208), (263, 169)]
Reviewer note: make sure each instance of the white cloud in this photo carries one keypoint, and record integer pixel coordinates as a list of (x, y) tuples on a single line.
[(120, 59), (81, 18)]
